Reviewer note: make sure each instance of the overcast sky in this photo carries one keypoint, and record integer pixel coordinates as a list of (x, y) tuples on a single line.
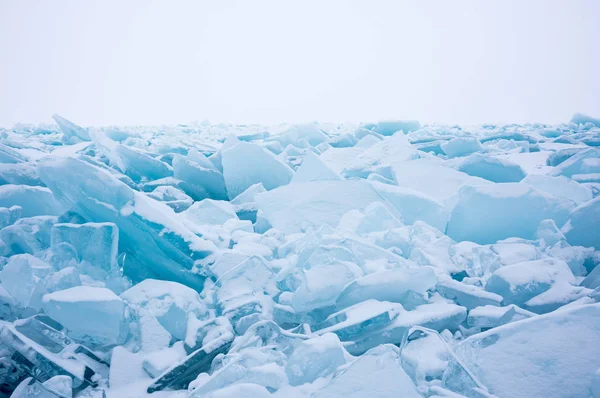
[(154, 62)]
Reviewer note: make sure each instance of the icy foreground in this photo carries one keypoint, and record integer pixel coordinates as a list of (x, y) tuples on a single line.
[(380, 260)]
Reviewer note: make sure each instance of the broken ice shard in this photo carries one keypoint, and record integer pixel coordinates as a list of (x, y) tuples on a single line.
[(181, 374), (148, 228)]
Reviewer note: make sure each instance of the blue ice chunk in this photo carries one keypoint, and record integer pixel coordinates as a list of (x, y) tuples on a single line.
[(182, 373), (169, 302), (35, 201), (194, 174), (468, 296), (20, 280), (173, 197), (296, 207), (556, 158), (246, 164), (31, 387), (580, 118), (208, 211), (19, 174), (461, 146), (9, 215), (488, 213), (413, 205), (582, 227), (150, 229), (343, 141), (96, 243), (72, 133), (195, 192), (584, 162), (389, 127), (322, 285), (313, 358), (313, 169), (491, 168), (388, 285), (27, 235), (360, 319), (491, 316), (376, 374), (518, 283), (438, 316), (9, 155), (547, 349), (93, 314), (560, 186), (432, 178), (310, 133), (141, 166)]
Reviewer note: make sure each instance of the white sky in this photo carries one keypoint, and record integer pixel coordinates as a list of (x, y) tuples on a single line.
[(155, 62)]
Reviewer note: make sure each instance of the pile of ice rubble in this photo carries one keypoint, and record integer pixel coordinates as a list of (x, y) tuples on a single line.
[(318, 260)]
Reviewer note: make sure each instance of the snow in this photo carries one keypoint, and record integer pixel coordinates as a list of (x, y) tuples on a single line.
[(313, 260)]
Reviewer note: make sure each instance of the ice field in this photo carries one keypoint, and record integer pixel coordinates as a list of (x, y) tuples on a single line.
[(389, 259)]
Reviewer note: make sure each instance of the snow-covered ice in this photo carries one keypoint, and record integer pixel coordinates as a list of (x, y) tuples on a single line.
[(392, 258)]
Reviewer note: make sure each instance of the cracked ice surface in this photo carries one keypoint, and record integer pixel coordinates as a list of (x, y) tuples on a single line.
[(318, 260)]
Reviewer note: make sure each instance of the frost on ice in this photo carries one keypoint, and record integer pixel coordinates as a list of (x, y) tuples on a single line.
[(315, 260)]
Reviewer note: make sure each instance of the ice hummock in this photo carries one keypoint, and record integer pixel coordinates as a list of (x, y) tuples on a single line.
[(316, 260)]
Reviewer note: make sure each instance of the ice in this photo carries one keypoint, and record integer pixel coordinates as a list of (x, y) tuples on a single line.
[(194, 261), (433, 178), (96, 243), (296, 207), (94, 314), (389, 127), (152, 335), (438, 316), (377, 373), (491, 168), (389, 285), (461, 146), (169, 302), (488, 213), (156, 362), (246, 390), (139, 166), (468, 296), (208, 211), (200, 178), (537, 357), (19, 279), (580, 118), (71, 132), (19, 174), (9, 215), (27, 235), (360, 319), (583, 221), (173, 197), (310, 133), (322, 285), (413, 205), (246, 164), (491, 316), (518, 283), (30, 387), (583, 162), (34, 201), (313, 169), (10, 156), (185, 371), (169, 247)]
